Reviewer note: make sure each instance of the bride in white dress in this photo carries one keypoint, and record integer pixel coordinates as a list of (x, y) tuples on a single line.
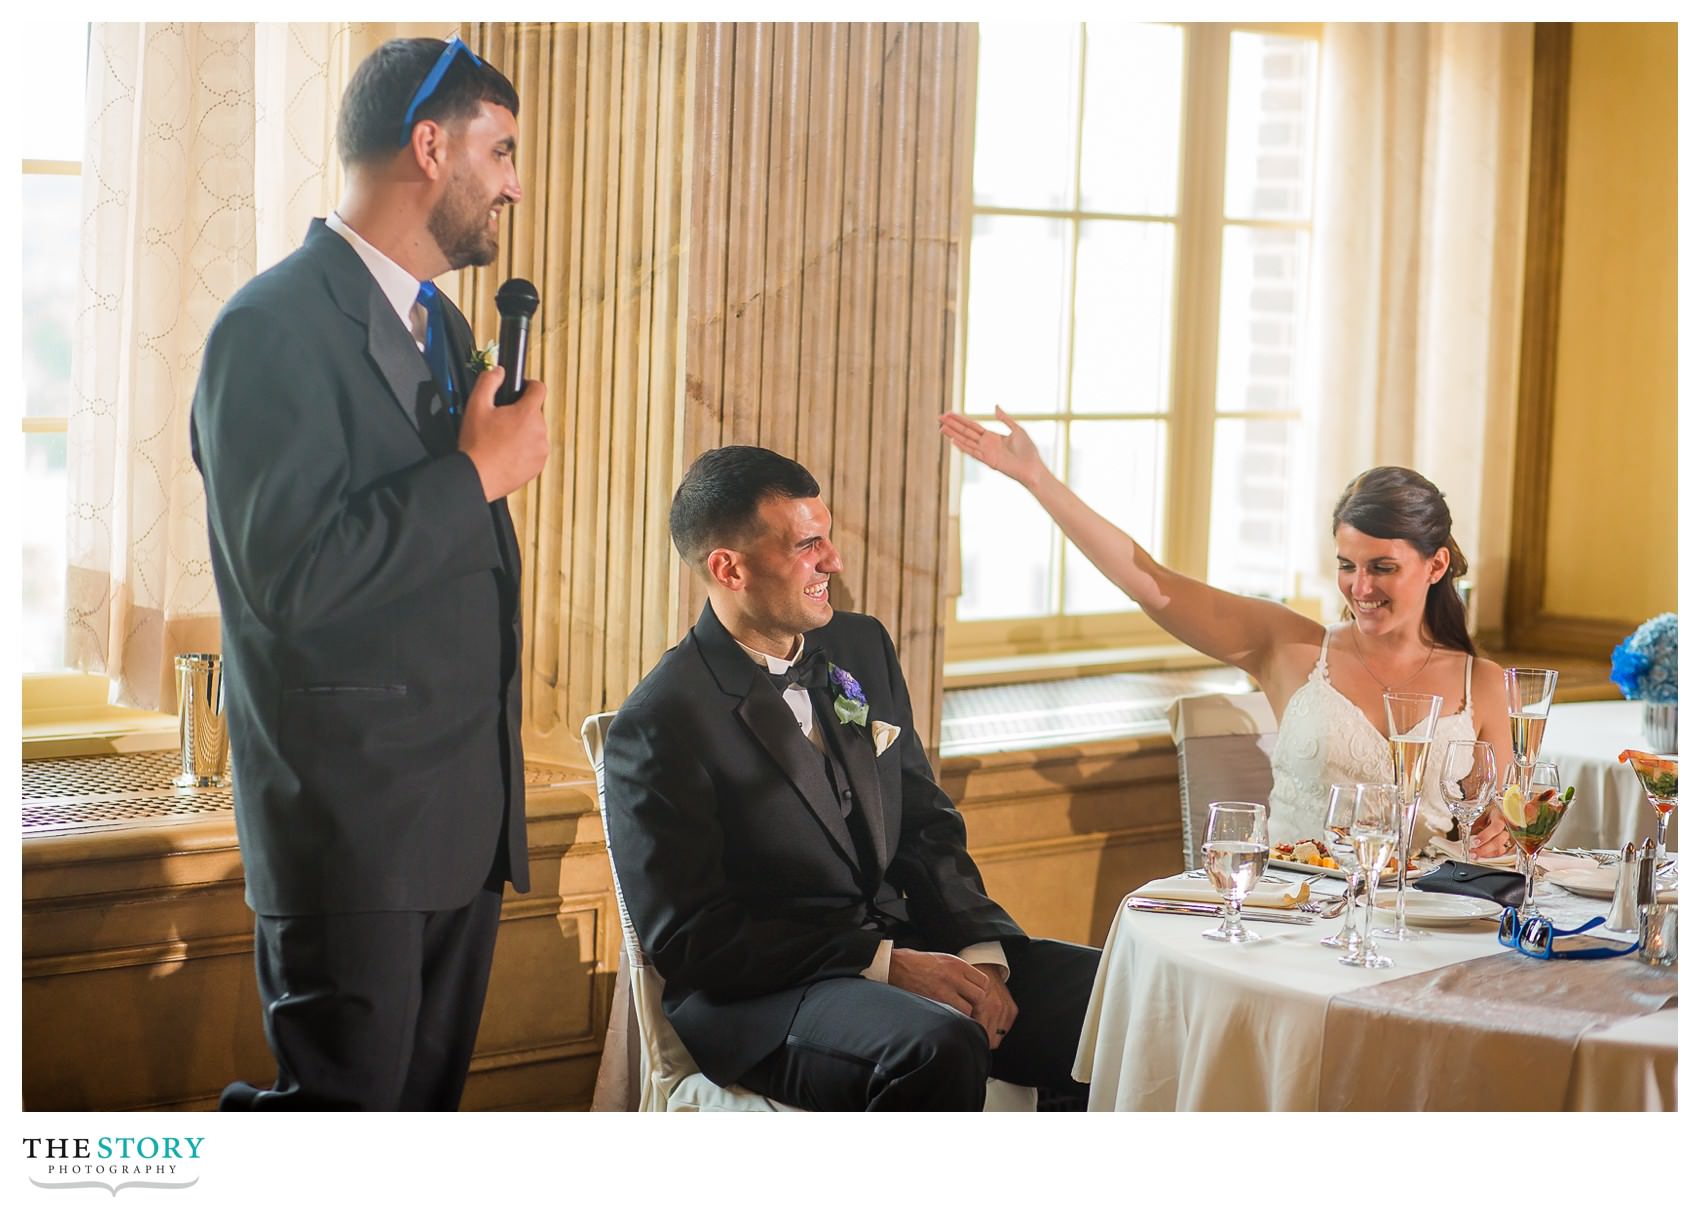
[(1404, 631)]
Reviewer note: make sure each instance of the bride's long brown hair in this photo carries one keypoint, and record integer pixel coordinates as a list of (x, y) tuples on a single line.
[(1397, 503)]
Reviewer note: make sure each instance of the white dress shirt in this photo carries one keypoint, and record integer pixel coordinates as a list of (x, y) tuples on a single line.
[(398, 286), (802, 707)]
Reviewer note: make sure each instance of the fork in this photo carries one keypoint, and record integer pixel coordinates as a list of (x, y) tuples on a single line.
[(1201, 874)]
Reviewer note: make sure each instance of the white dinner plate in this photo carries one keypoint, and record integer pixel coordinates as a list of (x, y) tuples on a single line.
[(1437, 909), (1597, 882)]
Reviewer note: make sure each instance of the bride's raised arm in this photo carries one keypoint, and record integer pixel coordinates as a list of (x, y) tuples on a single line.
[(1231, 628)]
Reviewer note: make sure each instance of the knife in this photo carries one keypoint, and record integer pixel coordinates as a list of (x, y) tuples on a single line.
[(1214, 910)]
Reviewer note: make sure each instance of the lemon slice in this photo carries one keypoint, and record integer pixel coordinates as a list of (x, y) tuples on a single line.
[(1512, 806)]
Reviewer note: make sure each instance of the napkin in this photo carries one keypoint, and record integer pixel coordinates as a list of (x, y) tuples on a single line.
[(1473, 880), (1191, 888)]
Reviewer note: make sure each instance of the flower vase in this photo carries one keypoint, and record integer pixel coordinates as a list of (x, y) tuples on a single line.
[(1658, 725)]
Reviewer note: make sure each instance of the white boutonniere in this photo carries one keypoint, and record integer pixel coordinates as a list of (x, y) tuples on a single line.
[(883, 734), (482, 360)]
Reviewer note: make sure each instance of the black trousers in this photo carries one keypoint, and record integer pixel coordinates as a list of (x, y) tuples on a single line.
[(371, 1012), (859, 1045)]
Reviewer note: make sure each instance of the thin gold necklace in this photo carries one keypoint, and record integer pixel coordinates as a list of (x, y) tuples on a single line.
[(1386, 688)]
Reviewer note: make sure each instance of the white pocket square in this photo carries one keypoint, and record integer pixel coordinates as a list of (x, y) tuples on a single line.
[(884, 734)]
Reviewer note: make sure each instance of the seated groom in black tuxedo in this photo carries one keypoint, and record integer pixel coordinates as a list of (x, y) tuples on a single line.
[(798, 878)]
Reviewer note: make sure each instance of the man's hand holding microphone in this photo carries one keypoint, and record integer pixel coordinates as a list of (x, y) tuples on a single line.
[(503, 431)]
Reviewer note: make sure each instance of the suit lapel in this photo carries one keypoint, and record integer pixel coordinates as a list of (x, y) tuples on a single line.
[(764, 714), (855, 750), (389, 345)]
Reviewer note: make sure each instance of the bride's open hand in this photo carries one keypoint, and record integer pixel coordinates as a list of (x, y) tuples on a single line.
[(1014, 455)]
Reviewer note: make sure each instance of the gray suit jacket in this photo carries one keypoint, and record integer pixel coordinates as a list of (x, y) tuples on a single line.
[(370, 601)]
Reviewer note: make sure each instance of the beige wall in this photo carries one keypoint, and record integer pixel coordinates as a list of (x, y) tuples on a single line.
[(1611, 540)]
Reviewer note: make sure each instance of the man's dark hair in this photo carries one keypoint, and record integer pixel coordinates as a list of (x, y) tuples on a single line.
[(368, 126), (717, 500)]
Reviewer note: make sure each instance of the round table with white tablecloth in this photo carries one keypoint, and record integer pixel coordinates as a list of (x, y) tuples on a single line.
[(1181, 1023), (1610, 809)]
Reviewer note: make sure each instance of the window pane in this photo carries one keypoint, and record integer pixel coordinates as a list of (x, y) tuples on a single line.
[(1008, 542), (1263, 312), (1117, 468), (50, 224), (41, 519), (1024, 117), (1253, 512), (1271, 110), (1017, 275), (52, 73), (1123, 316), (1131, 136)]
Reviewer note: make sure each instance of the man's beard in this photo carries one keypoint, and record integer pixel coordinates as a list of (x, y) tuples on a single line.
[(459, 223)]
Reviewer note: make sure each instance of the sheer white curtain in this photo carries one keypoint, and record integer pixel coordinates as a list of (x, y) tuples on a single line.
[(210, 146), (1424, 159)]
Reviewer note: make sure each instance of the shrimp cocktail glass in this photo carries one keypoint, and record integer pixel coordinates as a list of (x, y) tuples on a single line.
[(1657, 774), (1531, 820)]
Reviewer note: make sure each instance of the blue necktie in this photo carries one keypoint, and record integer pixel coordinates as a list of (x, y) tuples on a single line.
[(437, 344)]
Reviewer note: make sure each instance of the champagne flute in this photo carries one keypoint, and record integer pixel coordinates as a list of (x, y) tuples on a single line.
[(1375, 831), (1469, 778), (1337, 825), (1411, 717), (1528, 693), (1236, 852)]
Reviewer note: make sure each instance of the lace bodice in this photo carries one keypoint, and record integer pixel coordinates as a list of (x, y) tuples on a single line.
[(1325, 739)]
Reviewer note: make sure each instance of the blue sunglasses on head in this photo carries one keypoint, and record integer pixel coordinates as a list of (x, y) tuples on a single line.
[(1534, 935), (433, 78)]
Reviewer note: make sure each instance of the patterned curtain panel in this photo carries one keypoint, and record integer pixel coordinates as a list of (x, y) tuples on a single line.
[(209, 148)]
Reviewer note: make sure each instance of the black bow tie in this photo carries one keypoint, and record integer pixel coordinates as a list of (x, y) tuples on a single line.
[(810, 672)]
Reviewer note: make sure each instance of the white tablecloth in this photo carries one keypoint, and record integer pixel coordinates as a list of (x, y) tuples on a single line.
[(1178, 1022), (1584, 739)]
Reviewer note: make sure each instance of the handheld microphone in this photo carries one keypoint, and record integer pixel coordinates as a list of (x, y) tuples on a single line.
[(516, 301)]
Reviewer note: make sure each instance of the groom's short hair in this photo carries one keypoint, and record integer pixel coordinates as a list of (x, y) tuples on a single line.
[(717, 500), (374, 105)]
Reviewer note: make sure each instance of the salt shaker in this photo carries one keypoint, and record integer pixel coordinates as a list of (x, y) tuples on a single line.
[(1625, 911), (1646, 866)]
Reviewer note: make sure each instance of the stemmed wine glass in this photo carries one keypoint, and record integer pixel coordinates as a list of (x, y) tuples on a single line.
[(1236, 852), (1375, 830), (1531, 821), (1469, 777), (1337, 825), (1411, 717), (1528, 693)]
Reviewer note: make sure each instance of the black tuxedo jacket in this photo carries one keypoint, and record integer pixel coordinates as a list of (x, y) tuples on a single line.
[(743, 875), (370, 601)]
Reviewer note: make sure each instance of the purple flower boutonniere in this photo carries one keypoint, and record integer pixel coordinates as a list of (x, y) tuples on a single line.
[(850, 705)]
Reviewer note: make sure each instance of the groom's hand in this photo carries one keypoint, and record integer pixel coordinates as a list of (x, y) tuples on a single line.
[(977, 991), (507, 445)]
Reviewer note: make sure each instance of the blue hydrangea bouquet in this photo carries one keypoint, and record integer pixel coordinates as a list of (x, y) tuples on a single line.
[(1644, 667)]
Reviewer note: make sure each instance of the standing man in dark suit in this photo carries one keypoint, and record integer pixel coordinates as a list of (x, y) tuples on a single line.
[(799, 879), (368, 576)]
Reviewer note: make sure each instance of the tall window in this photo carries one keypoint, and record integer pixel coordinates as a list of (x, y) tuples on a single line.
[(52, 144), (1136, 298)]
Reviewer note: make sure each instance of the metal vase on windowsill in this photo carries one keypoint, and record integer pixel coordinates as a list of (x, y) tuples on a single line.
[(202, 740), (1658, 724)]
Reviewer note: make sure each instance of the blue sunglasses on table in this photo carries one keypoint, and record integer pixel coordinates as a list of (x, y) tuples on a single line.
[(433, 78), (1534, 935)]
